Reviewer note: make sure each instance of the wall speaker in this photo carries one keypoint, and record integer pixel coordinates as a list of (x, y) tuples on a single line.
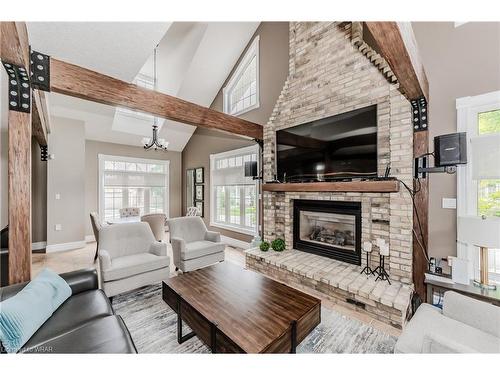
[(450, 149), (251, 169)]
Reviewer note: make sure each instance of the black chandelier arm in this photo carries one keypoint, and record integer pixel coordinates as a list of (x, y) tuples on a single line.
[(154, 141)]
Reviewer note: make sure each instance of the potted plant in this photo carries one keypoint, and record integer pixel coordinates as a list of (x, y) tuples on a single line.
[(264, 246), (278, 244)]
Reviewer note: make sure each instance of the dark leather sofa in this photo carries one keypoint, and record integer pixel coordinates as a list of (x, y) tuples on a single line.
[(84, 323)]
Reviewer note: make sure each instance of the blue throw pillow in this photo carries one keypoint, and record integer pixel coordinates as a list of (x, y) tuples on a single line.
[(22, 314)]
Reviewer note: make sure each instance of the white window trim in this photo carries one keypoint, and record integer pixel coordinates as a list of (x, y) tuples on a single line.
[(213, 223), (252, 51), (468, 109), (102, 158)]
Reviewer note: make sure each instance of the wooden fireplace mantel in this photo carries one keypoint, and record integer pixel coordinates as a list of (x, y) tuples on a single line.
[(388, 186)]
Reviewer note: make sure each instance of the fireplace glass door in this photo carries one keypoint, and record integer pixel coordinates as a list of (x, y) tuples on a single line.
[(328, 228)]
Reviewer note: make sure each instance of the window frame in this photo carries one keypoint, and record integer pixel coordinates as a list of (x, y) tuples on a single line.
[(102, 158), (253, 50), (468, 109), (234, 228)]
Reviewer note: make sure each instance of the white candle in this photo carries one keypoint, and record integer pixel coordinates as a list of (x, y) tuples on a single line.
[(384, 250), (367, 246), (380, 242)]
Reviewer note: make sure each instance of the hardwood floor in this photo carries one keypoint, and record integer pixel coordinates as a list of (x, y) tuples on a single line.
[(84, 258)]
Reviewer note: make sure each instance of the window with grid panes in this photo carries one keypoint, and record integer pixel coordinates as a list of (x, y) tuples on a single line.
[(241, 94)]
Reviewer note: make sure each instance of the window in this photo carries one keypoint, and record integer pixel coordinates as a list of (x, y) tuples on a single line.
[(130, 182), (241, 94), (233, 196), (479, 194), (488, 190)]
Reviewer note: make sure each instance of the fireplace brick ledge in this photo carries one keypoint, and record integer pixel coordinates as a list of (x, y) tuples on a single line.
[(338, 281)]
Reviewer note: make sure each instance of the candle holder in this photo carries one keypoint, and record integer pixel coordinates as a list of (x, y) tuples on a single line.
[(380, 270), (367, 248)]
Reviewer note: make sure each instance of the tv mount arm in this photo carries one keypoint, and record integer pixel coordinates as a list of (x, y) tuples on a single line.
[(421, 167)]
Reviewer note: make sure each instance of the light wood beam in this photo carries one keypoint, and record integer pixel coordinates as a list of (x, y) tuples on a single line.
[(15, 50), (40, 117), (398, 46), (73, 80)]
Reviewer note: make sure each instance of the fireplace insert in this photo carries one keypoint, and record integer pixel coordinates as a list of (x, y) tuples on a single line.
[(328, 228)]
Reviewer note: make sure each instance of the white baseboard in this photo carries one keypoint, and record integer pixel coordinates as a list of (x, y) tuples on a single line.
[(89, 238), (38, 245), (234, 242), (65, 246)]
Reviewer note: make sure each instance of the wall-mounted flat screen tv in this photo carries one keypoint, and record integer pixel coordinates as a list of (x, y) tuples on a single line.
[(336, 147)]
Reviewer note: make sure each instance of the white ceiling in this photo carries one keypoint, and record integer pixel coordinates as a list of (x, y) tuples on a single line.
[(193, 61), (118, 49)]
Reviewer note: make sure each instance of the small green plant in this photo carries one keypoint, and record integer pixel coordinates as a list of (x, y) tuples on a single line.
[(278, 244), (264, 246)]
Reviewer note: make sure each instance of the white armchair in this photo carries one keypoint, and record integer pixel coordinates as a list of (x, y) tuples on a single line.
[(130, 257), (465, 325), (193, 246)]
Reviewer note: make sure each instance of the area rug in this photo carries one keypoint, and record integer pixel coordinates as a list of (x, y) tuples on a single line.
[(153, 326)]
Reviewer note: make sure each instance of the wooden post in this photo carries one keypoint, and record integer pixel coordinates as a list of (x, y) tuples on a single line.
[(420, 147), (19, 197), (15, 50)]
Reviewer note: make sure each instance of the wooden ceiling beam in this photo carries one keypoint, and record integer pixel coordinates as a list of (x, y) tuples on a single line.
[(79, 82), (40, 117), (398, 46), (14, 43), (14, 48)]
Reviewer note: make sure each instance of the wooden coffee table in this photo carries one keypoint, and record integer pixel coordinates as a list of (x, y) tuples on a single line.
[(234, 310)]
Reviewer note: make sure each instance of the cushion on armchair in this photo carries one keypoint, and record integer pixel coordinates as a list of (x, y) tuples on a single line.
[(198, 249), (470, 311), (130, 265)]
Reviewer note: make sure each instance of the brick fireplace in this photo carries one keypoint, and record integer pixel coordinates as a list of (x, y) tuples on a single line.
[(329, 75)]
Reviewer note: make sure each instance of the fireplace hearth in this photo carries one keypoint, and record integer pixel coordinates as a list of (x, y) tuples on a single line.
[(328, 228)]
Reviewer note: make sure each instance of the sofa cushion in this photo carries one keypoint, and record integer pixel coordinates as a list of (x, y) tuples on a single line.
[(135, 264), (198, 249), (103, 335), (72, 314), (429, 320)]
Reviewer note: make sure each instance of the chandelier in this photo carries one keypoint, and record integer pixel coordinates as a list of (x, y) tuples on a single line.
[(155, 142)]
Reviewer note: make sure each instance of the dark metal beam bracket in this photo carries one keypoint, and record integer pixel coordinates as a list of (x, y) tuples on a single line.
[(44, 153), (40, 71), (19, 88), (420, 114)]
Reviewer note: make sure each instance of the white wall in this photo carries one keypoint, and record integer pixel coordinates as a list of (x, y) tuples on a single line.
[(66, 176)]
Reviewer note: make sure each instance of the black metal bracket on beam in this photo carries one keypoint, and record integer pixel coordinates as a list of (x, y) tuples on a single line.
[(420, 114), (19, 88), (40, 71), (44, 153), (421, 168), (260, 142)]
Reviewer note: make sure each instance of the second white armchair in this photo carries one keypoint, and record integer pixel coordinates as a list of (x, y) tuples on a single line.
[(130, 258), (193, 246)]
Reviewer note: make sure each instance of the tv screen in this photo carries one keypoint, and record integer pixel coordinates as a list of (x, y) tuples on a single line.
[(336, 147)]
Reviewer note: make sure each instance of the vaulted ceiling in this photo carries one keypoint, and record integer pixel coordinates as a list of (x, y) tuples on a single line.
[(193, 61)]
